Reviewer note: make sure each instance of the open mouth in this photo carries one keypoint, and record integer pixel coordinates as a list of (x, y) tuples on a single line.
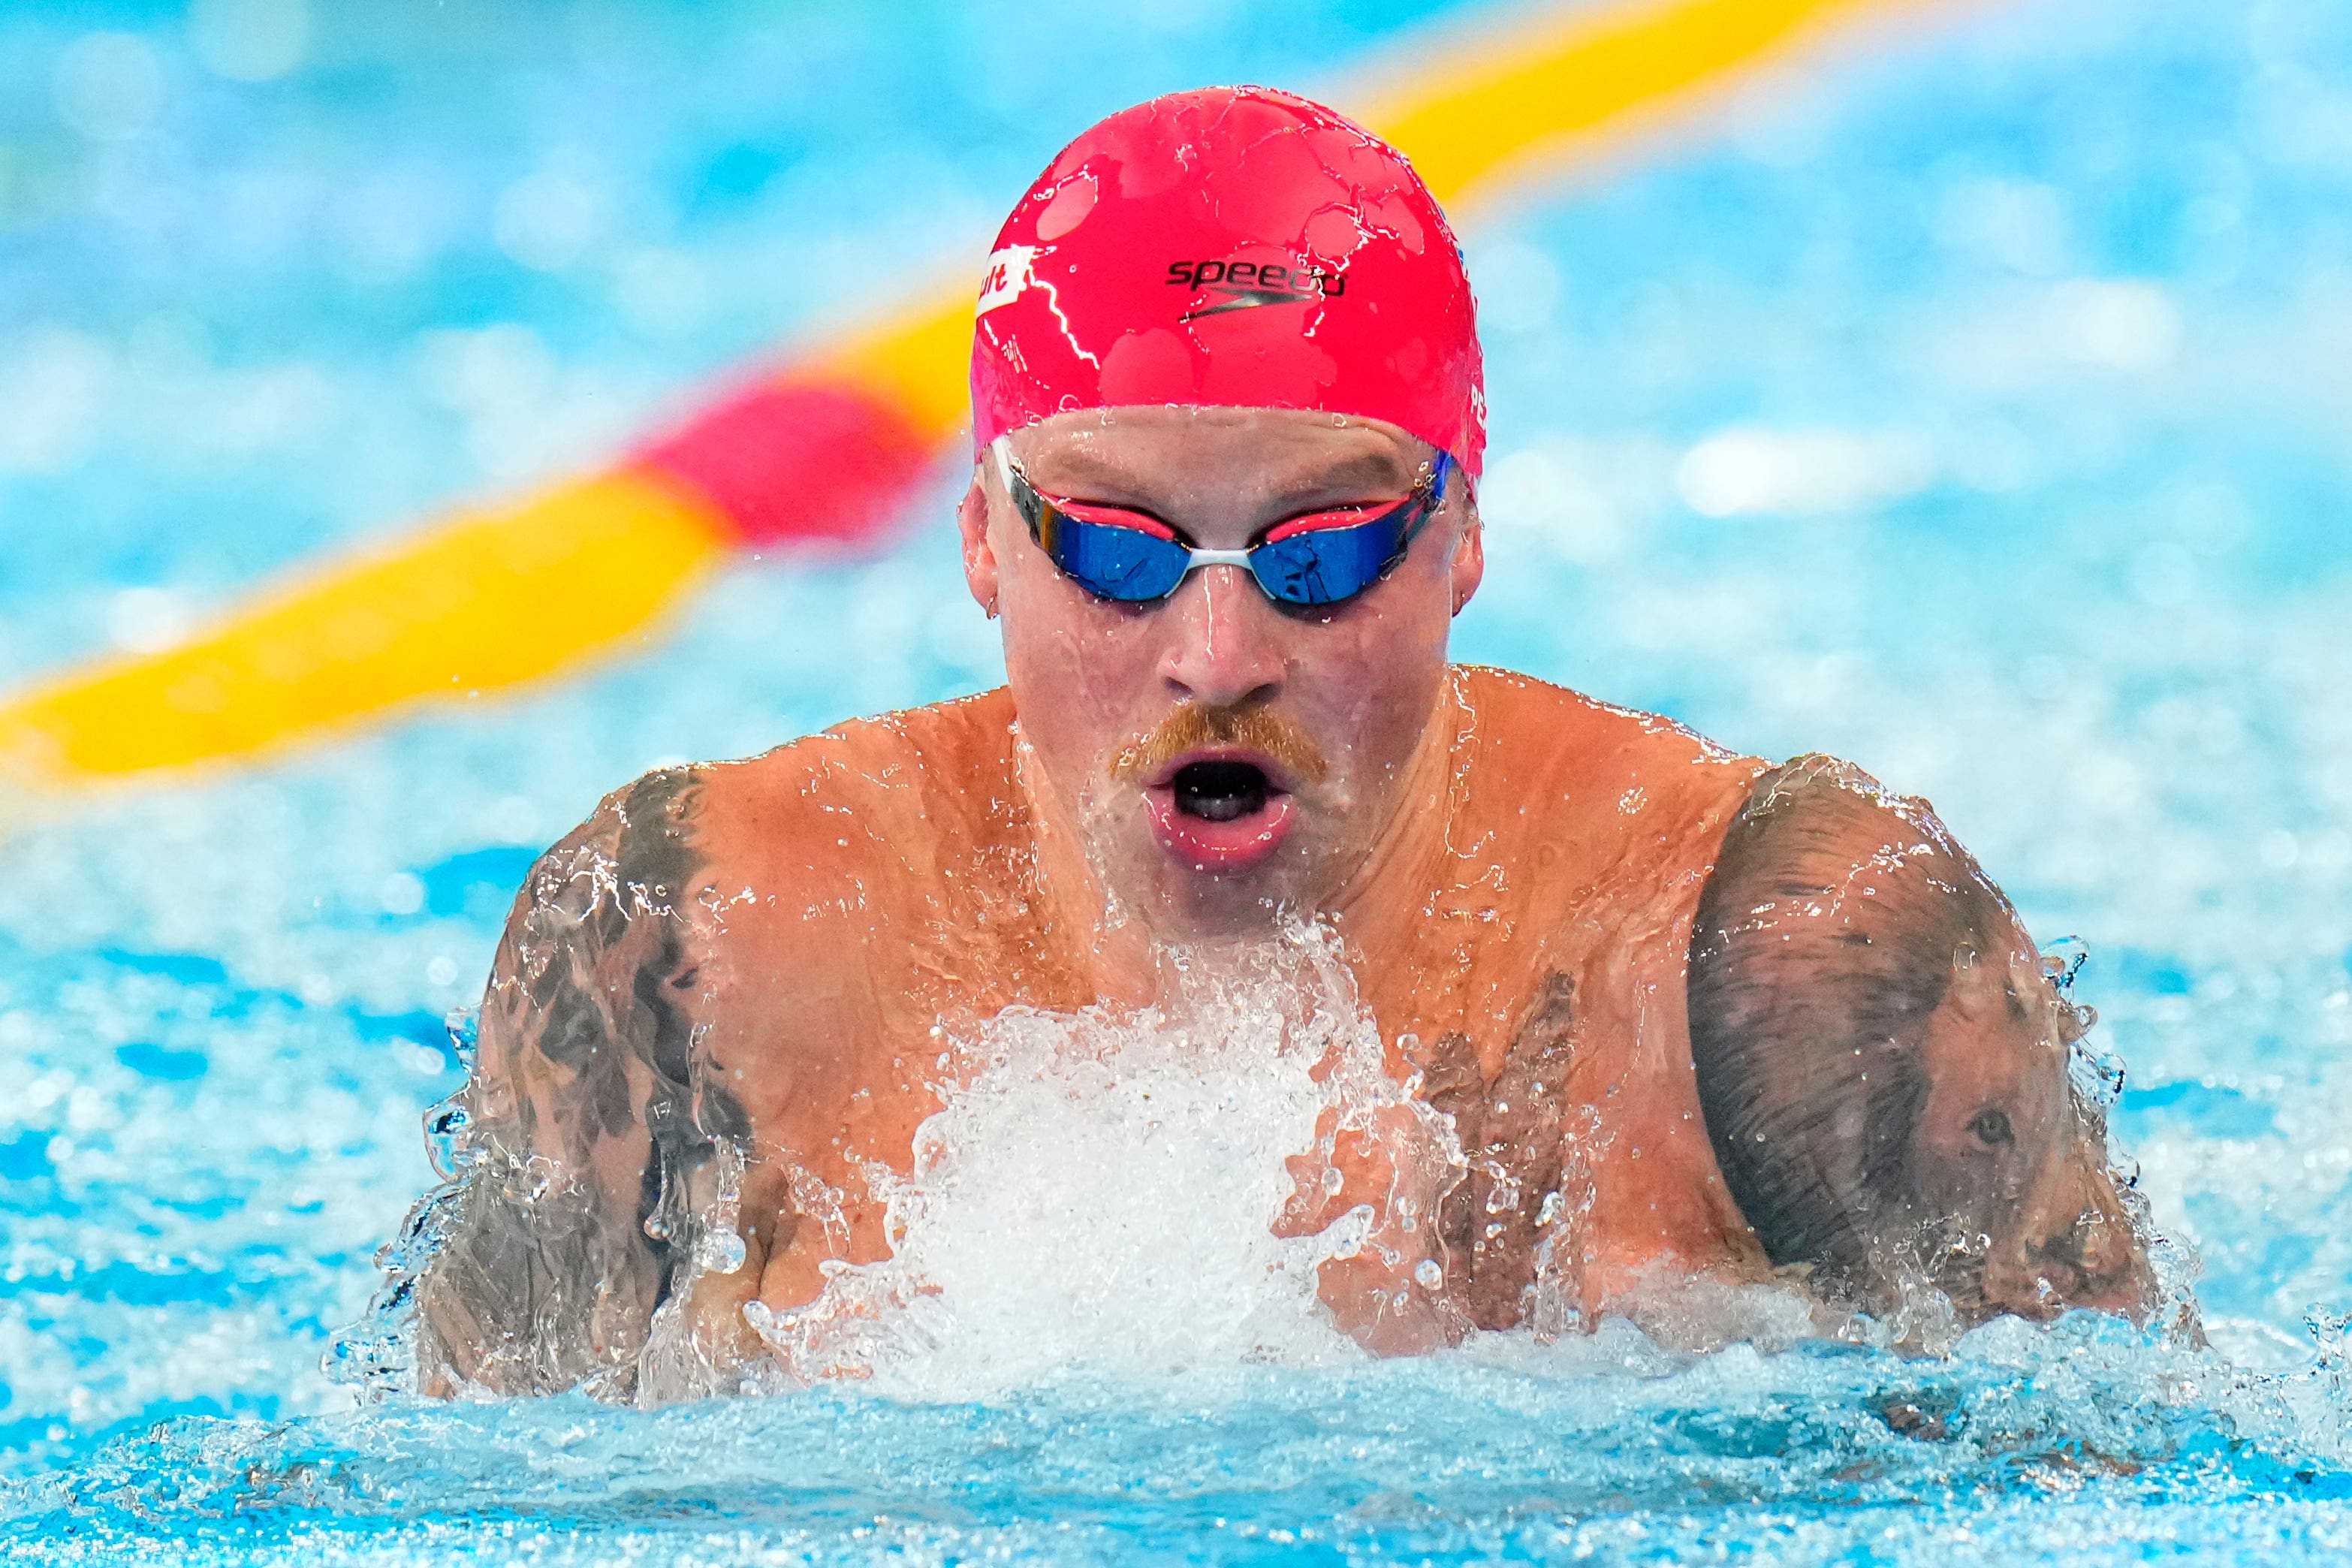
[(1221, 813), (1221, 790)]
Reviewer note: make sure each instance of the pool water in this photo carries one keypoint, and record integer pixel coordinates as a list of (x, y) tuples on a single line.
[(1973, 405)]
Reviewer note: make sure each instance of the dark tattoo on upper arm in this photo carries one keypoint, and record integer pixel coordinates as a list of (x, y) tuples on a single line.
[(599, 1150), (1882, 1063)]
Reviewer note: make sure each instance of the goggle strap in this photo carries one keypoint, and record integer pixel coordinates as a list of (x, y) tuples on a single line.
[(1026, 500)]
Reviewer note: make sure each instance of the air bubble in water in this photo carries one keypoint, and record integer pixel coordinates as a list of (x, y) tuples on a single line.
[(1428, 1274)]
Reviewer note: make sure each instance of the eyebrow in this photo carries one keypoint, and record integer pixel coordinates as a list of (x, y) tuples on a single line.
[(1346, 476)]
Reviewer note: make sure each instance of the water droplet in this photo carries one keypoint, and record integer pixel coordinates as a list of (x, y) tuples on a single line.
[(721, 1252), (445, 1138), (1428, 1275)]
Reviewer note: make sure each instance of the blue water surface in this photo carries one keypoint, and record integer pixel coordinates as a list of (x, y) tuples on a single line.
[(1969, 399)]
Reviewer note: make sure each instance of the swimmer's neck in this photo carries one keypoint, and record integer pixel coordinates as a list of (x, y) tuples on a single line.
[(1122, 952), (1381, 899)]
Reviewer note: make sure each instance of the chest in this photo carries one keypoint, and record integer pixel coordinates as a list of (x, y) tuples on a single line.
[(1532, 1115)]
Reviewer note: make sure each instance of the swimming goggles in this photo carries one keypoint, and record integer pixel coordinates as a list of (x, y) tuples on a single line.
[(1324, 558)]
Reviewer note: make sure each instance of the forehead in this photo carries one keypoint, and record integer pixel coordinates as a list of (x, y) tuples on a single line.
[(1169, 452)]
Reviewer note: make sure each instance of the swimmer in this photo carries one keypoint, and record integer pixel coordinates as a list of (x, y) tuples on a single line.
[(1740, 1022)]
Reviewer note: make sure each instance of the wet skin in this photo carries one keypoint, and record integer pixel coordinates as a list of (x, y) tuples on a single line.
[(1882, 1060), (749, 978)]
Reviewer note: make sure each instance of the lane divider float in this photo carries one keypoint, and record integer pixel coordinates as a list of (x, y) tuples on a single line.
[(824, 450)]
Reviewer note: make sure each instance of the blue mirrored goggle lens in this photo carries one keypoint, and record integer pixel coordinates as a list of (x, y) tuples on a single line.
[(1326, 565), (1123, 563)]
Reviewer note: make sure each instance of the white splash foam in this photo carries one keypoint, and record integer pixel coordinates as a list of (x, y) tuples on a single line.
[(1102, 1194)]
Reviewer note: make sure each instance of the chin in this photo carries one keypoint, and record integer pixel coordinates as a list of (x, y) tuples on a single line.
[(1176, 895)]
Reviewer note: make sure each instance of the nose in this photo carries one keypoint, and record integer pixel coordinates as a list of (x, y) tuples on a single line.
[(2103, 1247), (2076, 1249), (2102, 1241), (1224, 647)]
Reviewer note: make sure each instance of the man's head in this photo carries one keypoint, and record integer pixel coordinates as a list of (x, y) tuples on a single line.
[(1228, 414)]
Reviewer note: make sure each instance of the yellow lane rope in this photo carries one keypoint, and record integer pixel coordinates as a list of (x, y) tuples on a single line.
[(496, 599)]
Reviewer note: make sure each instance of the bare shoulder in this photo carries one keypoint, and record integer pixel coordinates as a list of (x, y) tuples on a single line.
[(820, 808), (1627, 786), (684, 933), (1882, 1062), (829, 863), (1539, 722)]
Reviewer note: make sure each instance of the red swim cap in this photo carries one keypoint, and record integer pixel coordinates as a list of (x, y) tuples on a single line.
[(1233, 245)]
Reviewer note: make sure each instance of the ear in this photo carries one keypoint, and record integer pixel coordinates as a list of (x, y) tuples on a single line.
[(1469, 560), (978, 555)]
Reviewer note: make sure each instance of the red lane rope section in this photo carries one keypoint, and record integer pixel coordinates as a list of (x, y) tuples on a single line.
[(796, 461)]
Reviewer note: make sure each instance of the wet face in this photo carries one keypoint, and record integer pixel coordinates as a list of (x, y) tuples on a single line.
[(2003, 1148), (1219, 754)]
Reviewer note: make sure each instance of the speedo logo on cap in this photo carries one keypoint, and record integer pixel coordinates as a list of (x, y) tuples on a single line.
[(1230, 285)]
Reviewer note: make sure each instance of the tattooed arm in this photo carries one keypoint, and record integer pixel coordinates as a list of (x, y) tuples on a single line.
[(1882, 1063), (594, 1142)]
